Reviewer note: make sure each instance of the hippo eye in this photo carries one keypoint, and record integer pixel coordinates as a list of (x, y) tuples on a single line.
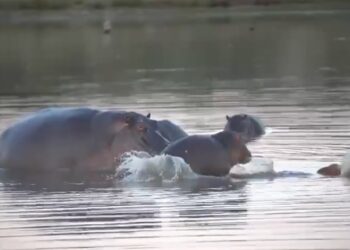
[(244, 116)]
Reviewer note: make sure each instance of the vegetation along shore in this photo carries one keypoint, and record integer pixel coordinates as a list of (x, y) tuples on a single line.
[(102, 4)]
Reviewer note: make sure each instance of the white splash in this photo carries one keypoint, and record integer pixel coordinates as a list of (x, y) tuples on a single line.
[(141, 167), (345, 165), (269, 131), (258, 166)]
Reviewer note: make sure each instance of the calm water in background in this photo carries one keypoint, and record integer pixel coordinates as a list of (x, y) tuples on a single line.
[(292, 71)]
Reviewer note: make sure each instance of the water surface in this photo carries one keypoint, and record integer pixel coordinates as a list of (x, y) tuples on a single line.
[(291, 71)]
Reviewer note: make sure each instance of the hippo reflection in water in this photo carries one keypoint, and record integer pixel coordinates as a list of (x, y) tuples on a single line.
[(76, 139)]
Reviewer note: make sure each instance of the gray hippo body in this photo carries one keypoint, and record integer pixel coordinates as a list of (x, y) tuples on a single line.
[(76, 139), (210, 154), (170, 131)]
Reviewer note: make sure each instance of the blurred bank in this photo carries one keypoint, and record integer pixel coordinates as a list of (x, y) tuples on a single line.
[(104, 4)]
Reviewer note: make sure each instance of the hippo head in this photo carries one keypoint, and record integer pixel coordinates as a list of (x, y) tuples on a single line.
[(331, 170), (127, 131), (144, 132), (249, 127), (238, 151)]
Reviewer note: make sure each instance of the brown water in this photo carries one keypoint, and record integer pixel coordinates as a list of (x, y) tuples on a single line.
[(291, 71)]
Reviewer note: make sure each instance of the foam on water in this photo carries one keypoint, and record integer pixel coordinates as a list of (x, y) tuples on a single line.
[(141, 167), (258, 166), (345, 164), (269, 131)]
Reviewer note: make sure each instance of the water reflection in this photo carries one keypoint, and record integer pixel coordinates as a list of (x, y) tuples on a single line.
[(54, 182), (78, 212), (229, 212), (44, 58)]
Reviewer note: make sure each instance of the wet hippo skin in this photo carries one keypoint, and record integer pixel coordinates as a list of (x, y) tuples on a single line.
[(211, 154), (76, 139)]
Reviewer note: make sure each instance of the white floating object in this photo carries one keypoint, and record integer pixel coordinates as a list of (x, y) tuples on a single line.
[(345, 165), (258, 166), (141, 167)]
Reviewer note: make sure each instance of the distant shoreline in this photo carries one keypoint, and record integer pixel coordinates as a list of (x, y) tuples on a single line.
[(115, 4), (162, 15)]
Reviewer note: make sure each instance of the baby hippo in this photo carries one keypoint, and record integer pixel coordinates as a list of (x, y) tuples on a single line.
[(211, 154)]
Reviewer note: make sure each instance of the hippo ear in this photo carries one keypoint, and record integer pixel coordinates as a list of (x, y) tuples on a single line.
[(227, 117), (148, 115)]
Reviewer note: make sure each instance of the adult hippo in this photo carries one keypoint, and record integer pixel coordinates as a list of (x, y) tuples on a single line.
[(211, 154), (77, 140), (249, 127)]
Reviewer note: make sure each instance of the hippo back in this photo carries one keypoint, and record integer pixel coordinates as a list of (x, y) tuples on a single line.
[(79, 139), (47, 138), (171, 131)]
